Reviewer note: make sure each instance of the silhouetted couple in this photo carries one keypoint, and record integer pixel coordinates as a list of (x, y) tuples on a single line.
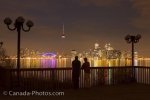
[(76, 67)]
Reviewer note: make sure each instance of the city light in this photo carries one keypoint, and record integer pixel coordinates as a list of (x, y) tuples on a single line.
[(104, 56)]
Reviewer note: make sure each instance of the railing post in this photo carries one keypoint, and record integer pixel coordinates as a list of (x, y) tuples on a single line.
[(53, 77)]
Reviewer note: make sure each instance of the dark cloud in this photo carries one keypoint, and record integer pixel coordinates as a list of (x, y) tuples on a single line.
[(142, 21), (107, 3)]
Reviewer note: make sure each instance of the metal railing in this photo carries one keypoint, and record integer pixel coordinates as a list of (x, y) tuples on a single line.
[(60, 78), (142, 75)]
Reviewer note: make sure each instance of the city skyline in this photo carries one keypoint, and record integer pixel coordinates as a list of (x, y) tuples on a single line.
[(86, 22)]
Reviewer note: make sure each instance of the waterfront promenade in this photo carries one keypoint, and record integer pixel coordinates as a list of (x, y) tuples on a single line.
[(132, 91), (118, 86)]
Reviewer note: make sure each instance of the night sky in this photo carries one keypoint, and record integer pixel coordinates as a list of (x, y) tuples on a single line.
[(86, 22)]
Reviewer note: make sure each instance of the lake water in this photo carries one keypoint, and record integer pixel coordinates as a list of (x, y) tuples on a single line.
[(66, 62)]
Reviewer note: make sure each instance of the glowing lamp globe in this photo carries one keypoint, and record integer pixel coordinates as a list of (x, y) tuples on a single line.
[(63, 36)]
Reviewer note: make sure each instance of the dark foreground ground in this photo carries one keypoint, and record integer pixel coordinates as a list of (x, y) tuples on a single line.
[(117, 92)]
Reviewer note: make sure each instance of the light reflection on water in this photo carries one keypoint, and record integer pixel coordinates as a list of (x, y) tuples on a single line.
[(66, 62)]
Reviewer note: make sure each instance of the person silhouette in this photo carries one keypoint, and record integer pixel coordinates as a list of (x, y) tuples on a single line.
[(76, 65), (86, 68)]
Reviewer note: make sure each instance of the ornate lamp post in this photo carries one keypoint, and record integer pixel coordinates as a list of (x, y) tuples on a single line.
[(133, 39), (18, 25)]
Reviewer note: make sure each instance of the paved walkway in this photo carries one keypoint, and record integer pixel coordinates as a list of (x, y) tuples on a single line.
[(117, 92)]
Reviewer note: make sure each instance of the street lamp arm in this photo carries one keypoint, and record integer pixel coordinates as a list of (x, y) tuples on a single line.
[(29, 25), (129, 40), (26, 30), (12, 29)]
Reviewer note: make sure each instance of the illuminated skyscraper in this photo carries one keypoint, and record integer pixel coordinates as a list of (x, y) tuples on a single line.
[(96, 46), (73, 53), (108, 47)]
